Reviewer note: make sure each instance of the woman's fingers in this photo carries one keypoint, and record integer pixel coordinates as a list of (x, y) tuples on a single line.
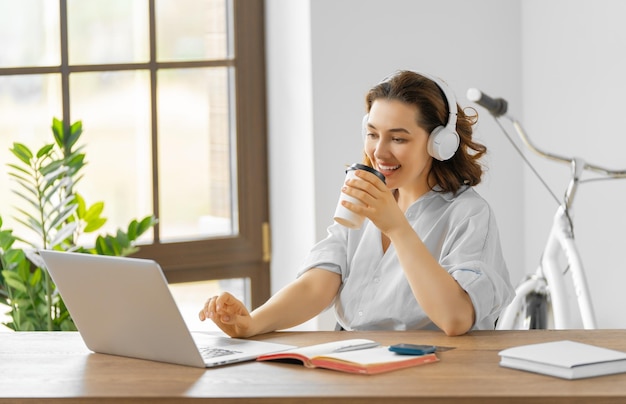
[(208, 310), (228, 313), (225, 302), (371, 179), (365, 189), (223, 308)]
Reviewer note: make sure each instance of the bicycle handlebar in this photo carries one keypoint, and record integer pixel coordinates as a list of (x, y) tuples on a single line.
[(498, 107)]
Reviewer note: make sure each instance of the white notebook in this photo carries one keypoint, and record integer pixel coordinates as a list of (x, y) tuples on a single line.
[(565, 359)]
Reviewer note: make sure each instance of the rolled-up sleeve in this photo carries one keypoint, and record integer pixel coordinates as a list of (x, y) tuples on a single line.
[(330, 253), (474, 258)]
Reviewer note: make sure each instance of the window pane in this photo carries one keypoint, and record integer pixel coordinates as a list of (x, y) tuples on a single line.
[(104, 32), (27, 106), (190, 297), (29, 33), (194, 154), (115, 110), (201, 34)]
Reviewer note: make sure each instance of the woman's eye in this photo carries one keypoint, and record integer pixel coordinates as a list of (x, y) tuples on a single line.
[(399, 140)]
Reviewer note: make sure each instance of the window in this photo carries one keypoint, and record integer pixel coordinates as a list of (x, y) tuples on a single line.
[(171, 94)]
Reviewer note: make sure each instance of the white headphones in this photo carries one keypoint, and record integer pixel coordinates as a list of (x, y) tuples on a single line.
[(443, 141)]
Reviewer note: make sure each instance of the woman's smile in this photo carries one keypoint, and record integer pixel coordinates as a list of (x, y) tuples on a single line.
[(386, 169)]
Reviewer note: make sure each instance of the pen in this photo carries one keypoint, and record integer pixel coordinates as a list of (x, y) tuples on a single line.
[(365, 345)]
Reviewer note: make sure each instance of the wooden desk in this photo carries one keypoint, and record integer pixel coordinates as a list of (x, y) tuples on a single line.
[(37, 366)]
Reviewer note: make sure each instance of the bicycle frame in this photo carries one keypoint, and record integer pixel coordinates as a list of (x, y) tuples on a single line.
[(549, 281), (549, 278), (562, 239)]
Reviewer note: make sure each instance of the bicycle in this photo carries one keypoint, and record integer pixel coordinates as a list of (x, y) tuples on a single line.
[(540, 300)]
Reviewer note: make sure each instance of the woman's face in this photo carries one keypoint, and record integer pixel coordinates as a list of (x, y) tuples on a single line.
[(397, 146)]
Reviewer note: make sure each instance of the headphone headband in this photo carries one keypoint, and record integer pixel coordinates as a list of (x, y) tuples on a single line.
[(450, 99)]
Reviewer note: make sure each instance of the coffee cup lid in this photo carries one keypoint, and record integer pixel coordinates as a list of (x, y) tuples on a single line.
[(358, 166)]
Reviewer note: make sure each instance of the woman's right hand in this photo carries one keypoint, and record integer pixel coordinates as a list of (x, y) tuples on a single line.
[(229, 314)]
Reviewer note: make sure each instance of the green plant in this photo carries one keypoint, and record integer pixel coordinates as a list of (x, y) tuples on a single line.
[(57, 214)]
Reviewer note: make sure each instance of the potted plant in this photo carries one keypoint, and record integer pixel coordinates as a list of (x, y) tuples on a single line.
[(57, 214)]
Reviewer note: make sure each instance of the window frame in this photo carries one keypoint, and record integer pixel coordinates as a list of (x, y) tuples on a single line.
[(246, 254)]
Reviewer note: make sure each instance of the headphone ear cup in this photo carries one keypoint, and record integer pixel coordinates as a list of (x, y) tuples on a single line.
[(442, 143)]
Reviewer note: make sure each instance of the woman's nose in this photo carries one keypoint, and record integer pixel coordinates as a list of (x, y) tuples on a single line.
[(381, 150)]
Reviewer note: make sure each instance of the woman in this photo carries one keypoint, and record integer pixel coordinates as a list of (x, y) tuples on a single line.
[(428, 255)]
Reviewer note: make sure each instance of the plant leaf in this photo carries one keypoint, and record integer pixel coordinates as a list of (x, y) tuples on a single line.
[(36, 277), (101, 246), (22, 152), (94, 211), (6, 241), (55, 174), (61, 216), (13, 280), (82, 206), (49, 193), (76, 129), (58, 131), (132, 229), (45, 150), (28, 185), (63, 234), (95, 224), (122, 239), (28, 225), (62, 204), (34, 257), (16, 167), (146, 224), (31, 220), (33, 202), (50, 167), (26, 214), (126, 251), (14, 257), (108, 246)]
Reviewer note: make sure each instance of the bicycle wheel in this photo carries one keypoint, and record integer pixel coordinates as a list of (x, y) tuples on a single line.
[(537, 311)]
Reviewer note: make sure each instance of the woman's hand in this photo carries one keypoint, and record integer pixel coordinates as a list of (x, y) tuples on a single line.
[(380, 203), (229, 314)]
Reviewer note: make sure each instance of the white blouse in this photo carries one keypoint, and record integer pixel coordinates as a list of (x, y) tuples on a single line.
[(459, 230)]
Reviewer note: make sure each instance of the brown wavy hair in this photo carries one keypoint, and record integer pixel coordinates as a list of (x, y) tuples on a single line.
[(414, 89)]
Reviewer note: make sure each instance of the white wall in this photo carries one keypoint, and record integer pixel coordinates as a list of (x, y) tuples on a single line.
[(324, 55)]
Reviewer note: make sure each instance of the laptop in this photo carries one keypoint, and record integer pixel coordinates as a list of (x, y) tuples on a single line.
[(123, 306)]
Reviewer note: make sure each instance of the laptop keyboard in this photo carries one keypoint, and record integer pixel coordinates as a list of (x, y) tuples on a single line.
[(210, 352)]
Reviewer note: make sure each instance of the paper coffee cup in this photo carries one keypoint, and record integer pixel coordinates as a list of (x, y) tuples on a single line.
[(343, 215)]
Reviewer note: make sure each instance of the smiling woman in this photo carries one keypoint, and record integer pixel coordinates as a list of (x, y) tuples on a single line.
[(428, 255)]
